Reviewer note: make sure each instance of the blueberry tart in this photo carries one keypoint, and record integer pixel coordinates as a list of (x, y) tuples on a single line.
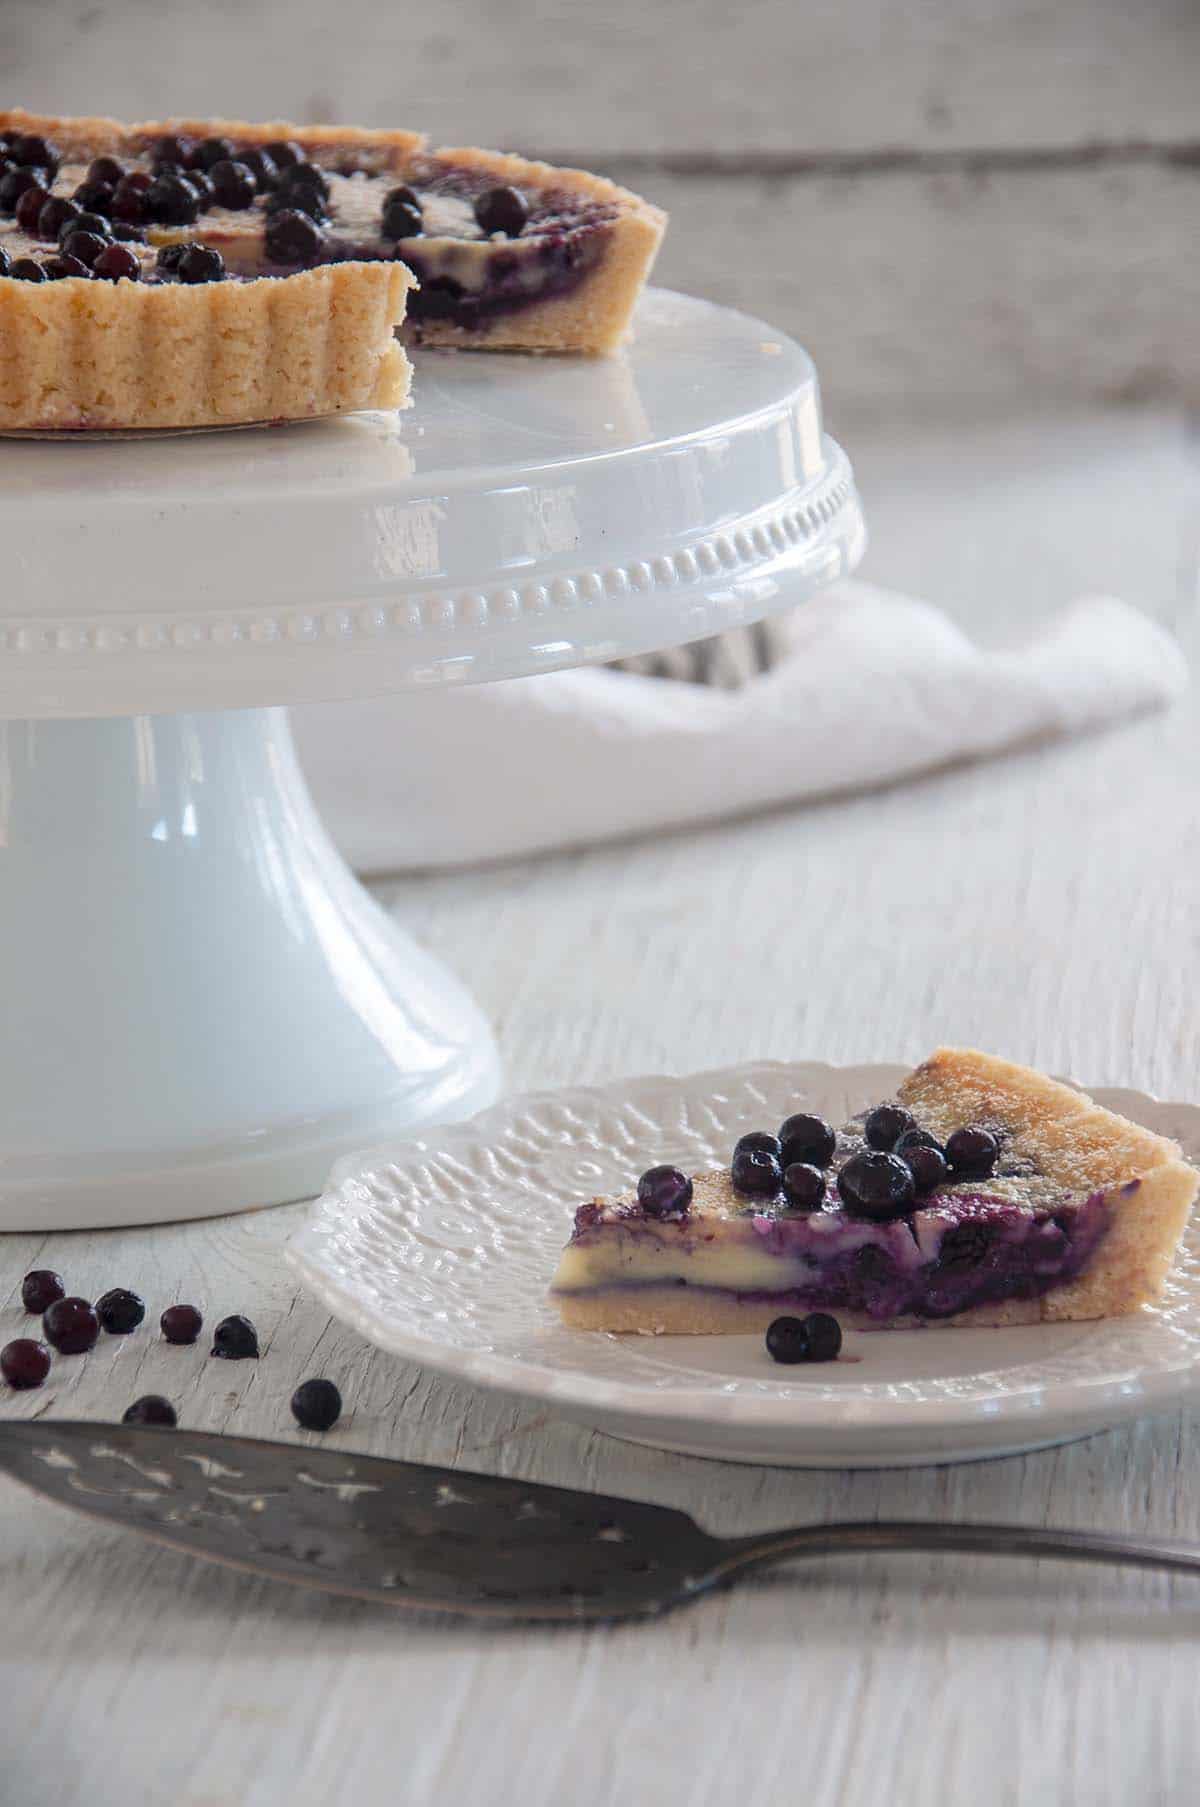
[(208, 272), (982, 1194)]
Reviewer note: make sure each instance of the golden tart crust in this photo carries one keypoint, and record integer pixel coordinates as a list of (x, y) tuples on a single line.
[(79, 354)]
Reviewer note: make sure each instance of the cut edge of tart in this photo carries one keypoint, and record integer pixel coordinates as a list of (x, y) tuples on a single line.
[(1078, 1216), (309, 329)]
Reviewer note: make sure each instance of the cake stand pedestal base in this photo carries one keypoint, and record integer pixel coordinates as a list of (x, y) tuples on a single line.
[(202, 1008)]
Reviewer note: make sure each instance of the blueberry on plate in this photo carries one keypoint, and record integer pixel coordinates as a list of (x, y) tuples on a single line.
[(316, 1405), (756, 1171), (824, 1337), (759, 1141), (927, 1165), (808, 1139), (972, 1153), (151, 1409), (787, 1340), (804, 1186), (664, 1192), (876, 1185), (886, 1124), (120, 1311), (235, 1339)]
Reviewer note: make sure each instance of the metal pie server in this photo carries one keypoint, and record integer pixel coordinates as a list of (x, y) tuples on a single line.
[(409, 1534)]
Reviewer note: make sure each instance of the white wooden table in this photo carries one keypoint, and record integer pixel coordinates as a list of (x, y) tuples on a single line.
[(1044, 906)]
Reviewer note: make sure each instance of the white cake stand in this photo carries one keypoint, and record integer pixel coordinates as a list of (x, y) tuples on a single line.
[(200, 1007)]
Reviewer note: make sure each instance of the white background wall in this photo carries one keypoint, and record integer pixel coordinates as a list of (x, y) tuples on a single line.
[(955, 203)]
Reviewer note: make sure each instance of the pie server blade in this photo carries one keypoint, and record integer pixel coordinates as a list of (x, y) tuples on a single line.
[(410, 1534)]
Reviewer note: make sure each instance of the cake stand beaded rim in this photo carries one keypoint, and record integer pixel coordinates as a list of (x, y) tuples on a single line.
[(742, 549)]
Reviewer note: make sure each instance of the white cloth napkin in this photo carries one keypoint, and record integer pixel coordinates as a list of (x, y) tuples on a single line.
[(871, 686)]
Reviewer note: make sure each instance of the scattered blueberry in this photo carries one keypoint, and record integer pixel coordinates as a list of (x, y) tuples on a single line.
[(760, 1140), (129, 199), (86, 246), (200, 263), (755, 1170), (664, 1192), (180, 1323), (210, 151), (29, 206), (972, 1153), (886, 1124), (824, 1337), (95, 197), (40, 1288), (71, 1325), (284, 152), (25, 1362), (809, 1139), (291, 237), (202, 183), (169, 256), (502, 210), (53, 215), (120, 1311), (402, 217), (316, 1405), (105, 170), (804, 1185), (876, 1185), (128, 233), (5, 262), (235, 1339), (98, 223), (174, 149), (927, 1166), (58, 268), (262, 167), (233, 183), (916, 1138), (117, 263), (152, 1409), (15, 182), (27, 270), (30, 147), (171, 201), (301, 199), (787, 1340), (300, 176)]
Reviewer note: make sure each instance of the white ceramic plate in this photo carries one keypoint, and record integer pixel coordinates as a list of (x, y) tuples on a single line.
[(441, 1251)]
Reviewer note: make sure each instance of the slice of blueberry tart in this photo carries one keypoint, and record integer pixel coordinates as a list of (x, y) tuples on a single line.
[(983, 1194), (208, 272)]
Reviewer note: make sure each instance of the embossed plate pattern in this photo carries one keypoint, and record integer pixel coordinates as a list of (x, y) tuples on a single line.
[(441, 1251)]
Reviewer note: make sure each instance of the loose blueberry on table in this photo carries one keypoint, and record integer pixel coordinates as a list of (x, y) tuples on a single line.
[(982, 1193), (316, 1405), (120, 1311), (180, 1323), (25, 1362), (152, 1409), (40, 1288), (235, 1339), (71, 1325)]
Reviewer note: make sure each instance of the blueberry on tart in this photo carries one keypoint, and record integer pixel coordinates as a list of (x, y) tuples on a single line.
[(983, 1194), (208, 272)]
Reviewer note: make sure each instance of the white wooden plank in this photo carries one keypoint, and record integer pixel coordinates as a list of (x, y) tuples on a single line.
[(1036, 905), (571, 77), (928, 295)]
